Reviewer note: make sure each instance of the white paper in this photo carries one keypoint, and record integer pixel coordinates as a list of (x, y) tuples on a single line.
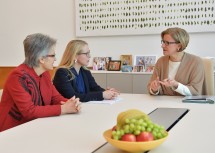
[(110, 102)]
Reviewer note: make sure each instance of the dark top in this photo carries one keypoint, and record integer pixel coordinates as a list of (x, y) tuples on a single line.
[(68, 88), (79, 81)]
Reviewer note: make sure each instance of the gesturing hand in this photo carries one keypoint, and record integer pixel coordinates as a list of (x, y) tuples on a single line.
[(155, 85), (169, 83)]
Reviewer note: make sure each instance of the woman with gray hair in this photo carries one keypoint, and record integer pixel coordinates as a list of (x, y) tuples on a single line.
[(28, 92), (177, 72)]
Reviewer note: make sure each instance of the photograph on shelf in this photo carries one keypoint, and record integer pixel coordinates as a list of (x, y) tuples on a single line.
[(138, 68), (126, 59), (146, 62), (127, 68), (101, 63), (149, 68), (114, 65)]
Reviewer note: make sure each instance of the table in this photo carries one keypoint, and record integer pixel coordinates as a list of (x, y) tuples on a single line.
[(82, 133)]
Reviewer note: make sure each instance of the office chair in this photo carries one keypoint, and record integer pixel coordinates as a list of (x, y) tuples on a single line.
[(209, 76)]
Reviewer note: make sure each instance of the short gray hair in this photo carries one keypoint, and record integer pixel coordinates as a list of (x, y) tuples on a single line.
[(35, 46)]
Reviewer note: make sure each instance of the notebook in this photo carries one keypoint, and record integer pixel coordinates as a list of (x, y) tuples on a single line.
[(199, 99), (167, 117)]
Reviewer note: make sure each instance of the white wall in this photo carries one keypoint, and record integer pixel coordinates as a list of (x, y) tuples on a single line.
[(57, 19)]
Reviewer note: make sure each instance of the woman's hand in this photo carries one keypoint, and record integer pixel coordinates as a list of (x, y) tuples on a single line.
[(109, 94), (169, 83), (155, 85), (113, 89), (72, 105)]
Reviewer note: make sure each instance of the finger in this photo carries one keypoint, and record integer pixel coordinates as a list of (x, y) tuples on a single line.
[(77, 104), (77, 100), (62, 102), (161, 82), (157, 78), (165, 80), (73, 98), (78, 108)]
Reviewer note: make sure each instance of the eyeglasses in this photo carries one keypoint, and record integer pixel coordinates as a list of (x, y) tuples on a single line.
[(167, 43), (53, 55), (87, 54)]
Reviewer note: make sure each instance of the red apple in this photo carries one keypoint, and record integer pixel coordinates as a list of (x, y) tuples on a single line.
[(145, 136), (129, 137)]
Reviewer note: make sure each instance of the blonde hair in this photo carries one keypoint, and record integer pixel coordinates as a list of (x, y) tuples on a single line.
[(179, 35), (73, 48)]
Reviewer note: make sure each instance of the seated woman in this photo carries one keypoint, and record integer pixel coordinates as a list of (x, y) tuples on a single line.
[(177, 72), (28, 92), (73, 79)]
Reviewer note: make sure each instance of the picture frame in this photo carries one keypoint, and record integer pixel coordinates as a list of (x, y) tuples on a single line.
[(114, 65), (127, 68), (126, 59), (146, 62), (101, 63)]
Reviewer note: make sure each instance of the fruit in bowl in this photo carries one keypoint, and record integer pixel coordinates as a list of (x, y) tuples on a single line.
[(132, 146), (135, 132)]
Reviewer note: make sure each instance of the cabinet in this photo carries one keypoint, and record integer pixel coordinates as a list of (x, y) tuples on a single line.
[(122, 82), (101, 79), (140, 82), (125, 82)]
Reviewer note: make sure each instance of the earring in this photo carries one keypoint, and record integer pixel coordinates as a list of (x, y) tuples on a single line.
[(75, 60)]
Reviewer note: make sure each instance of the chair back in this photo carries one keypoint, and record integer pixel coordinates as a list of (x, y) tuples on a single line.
[(208, 84)]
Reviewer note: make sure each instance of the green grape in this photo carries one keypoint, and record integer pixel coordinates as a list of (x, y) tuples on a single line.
[(118, 133), (151, 126), (148, 129), (154, 134), (133, 120), (113, 133), (148, 122), (140, 121), (127, 120), (155, 129), (122, 132), (138, 127), (156, 126), (163, 133), (136, 132), (161, 128), (131, 130), (159, 135), (126, 127), (115, 137), (144, 124), (132, 126), (143, 128), (127, 131)]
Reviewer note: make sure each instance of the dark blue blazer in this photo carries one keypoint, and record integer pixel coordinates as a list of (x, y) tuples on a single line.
[(67, 87)]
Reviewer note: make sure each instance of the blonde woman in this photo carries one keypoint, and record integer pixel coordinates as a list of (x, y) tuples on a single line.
[(177, 72), (73, 79)]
